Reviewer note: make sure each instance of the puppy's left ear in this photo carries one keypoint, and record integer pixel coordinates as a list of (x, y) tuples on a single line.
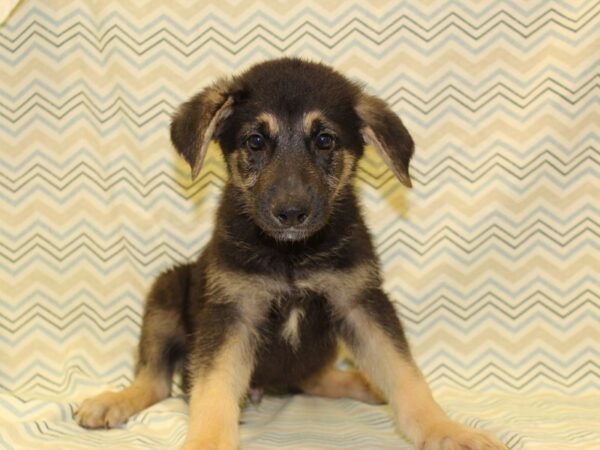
[(385, 131), (197, 121)]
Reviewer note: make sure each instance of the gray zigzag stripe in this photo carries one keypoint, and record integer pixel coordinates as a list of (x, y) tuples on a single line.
[(117, 33), (159, 181), (120, 107), (444, 238), (42, 316)]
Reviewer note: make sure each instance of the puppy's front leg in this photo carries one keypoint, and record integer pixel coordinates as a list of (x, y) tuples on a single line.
[(218, 386), (373, 332)]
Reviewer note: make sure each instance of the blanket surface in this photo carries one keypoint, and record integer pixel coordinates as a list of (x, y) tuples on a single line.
[(492, 259)]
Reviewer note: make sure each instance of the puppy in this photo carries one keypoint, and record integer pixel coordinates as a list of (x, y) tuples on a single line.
[(290, 273)]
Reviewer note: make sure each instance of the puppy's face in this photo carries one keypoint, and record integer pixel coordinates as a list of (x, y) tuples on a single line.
[(291, 144), (290, 167), (291, 133)]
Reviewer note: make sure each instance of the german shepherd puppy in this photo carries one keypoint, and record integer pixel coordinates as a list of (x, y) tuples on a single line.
[(290, 273)]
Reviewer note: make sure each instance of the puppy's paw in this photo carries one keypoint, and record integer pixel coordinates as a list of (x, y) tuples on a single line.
[(449, 435), (106, 410)]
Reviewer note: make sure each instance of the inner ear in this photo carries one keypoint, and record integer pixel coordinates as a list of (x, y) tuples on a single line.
[(197, 121), (209, 132), (384, 130)]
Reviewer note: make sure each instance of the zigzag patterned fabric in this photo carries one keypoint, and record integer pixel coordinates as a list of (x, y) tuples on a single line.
[(492, 258)]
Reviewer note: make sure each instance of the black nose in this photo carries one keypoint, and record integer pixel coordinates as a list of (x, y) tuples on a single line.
[(290, 216)]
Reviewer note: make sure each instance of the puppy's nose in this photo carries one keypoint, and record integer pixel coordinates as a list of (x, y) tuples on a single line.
[(289, 216)]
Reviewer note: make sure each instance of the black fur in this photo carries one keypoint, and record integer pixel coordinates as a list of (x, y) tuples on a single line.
[(281, 368), (244, 243)]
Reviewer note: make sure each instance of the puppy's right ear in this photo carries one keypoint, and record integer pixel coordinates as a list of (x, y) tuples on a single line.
[(196, 122)]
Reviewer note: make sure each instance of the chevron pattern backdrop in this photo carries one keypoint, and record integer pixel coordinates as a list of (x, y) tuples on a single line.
[(493, 257)]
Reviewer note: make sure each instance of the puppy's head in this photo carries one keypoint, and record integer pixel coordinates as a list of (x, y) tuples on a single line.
[(291, 132)]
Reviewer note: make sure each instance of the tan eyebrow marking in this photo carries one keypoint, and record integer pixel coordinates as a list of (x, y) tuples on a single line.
[(309, 118), (267, 119), (270, 121)]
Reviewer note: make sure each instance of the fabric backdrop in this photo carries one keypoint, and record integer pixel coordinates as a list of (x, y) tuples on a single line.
[(492, 258)]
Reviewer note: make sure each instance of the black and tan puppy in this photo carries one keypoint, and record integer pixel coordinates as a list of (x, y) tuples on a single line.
[(290, 273)]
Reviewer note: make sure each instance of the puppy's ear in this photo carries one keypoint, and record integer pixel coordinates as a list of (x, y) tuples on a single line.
[(196, 122), (385, 131)]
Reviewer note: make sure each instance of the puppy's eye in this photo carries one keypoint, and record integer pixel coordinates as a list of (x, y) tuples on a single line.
[(255, 142), (325, 141)]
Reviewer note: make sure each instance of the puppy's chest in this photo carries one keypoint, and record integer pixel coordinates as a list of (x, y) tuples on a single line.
[(293, 319), (297, 338)]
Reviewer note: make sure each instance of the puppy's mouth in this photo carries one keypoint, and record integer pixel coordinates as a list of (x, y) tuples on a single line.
[(295, 233), (291, 234)]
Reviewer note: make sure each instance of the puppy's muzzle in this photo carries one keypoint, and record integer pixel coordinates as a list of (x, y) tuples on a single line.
[(291, 201), (290, 215)]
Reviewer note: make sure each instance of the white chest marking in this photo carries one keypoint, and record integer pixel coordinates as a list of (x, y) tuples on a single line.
[(291, 330)]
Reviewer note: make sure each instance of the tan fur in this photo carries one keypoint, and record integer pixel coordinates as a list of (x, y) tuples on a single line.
[(240, 158), (253, 293), (266, 118), (342, 287), (348, 161), (309, 118), (395, 374), (416, 413), (235, 285), (110, 409), (223, 112), (271, 121), (216, 396), (336, 383), (236, 176)]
